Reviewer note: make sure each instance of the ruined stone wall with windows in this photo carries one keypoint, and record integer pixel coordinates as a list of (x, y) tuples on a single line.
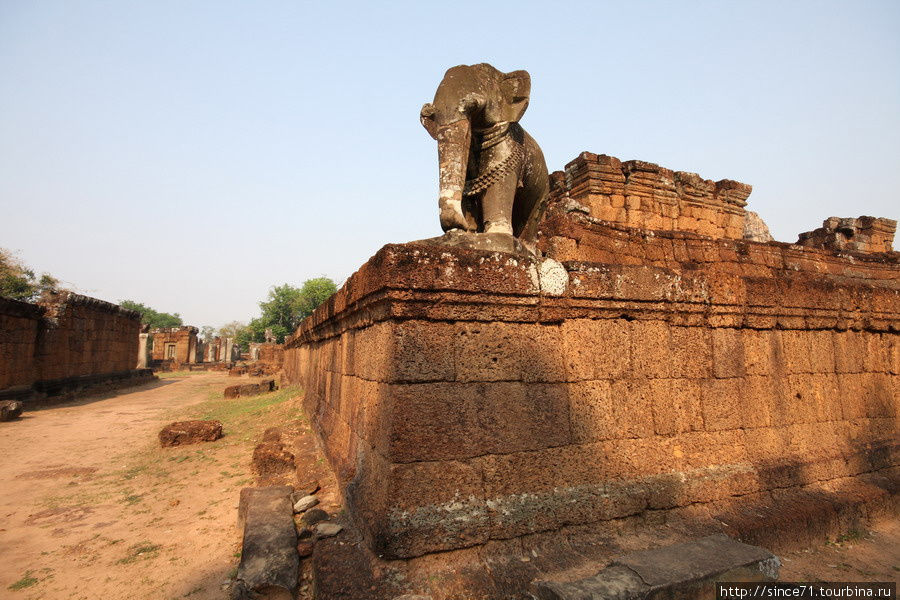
[(175, 345)]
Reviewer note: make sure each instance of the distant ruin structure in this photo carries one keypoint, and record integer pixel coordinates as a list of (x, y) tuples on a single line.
[(65, 344), (650, 362), (221, 350), (174, 345), (266, 358)]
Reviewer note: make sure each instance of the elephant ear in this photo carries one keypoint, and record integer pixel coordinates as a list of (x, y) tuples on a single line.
[(516, 90)]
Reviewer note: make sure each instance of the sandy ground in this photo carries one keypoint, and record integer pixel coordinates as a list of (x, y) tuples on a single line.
[(867, 555), (92, 508)]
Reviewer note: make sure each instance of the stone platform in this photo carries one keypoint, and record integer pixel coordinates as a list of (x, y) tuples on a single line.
[(465, 396), (513, 416)]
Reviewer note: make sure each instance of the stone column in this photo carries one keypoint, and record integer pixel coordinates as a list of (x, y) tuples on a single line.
[(142, 350)]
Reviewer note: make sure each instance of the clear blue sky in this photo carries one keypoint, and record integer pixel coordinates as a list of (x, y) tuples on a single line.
[(189, 155)]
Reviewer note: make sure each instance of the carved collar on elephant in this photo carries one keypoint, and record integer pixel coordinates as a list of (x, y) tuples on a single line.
[(510, 164), (493, 135)]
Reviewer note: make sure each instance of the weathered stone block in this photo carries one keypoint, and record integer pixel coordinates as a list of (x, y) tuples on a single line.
[(691, 352), (182, 433), (596, 348), (508, 352), (650, 349), (677, 406), (723, 407), (441, 421), (728, 353), (423, 351), (269, 561), (632, 407)]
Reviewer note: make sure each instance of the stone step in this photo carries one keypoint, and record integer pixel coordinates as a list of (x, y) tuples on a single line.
[(269, 561), (687, 570)]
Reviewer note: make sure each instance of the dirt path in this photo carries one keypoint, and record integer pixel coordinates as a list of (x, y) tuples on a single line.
[(866, 555), (92, 508)]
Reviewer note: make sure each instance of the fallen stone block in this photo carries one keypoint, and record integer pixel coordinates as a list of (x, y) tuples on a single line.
[(10, 409), (688, 570), (182, 433), (324, 530), (250, 389), (271, 458), (270, 563), (305, 503), (313, 516)]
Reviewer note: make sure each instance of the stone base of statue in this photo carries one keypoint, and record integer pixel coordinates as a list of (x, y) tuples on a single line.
[(491, 242)]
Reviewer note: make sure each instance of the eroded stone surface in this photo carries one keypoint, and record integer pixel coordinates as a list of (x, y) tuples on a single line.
[(182, 433), (862, 234), (490, 410), (755, 229), (272, 458), (687, 570), (476, 109), (66, 344), (10, 409), (269, 554), (305, 503)]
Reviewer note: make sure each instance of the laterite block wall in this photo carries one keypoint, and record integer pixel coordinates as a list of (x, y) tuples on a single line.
[(19, 323), (462, 397), (66, 339)]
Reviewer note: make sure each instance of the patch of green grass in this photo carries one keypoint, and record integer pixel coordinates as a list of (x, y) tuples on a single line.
[(132, 499), (171, 374), (26, 582), (134, 471), (143, 550), (853, 535), (238, 410)]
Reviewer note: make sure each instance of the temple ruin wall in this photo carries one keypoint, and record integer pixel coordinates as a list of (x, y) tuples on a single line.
[(182, 339), (67, 340), (646, 195), (459, 403)]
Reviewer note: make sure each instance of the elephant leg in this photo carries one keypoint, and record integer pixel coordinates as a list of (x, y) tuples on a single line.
[(497, 205)]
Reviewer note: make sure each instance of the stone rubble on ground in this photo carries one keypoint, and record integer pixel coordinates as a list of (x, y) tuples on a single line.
[(313, 516), (305, 503), (324, 530), (10, 409), (182, 433)]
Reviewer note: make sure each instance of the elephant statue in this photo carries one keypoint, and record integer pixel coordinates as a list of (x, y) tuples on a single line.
[(493, 177)]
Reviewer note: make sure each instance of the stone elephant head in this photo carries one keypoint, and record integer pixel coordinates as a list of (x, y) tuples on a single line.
[(493, 177)]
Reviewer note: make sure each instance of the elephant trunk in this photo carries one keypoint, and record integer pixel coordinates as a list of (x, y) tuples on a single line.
[(453, 157)]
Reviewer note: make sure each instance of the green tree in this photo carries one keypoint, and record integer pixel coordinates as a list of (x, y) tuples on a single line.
[(207, 333), (232, 329), (287, 305), (19, 282), (151, 317), (313, 293)]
